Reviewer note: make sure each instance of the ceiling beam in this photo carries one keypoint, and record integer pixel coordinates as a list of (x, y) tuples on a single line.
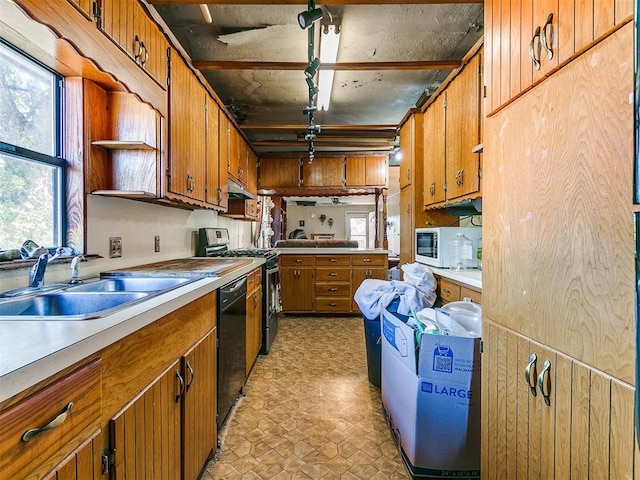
[(241, 65), (286, 143), (302, 126), (304, 2)]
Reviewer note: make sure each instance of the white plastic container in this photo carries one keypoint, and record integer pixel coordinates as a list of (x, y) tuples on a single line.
[(461, 252), (466, 313)]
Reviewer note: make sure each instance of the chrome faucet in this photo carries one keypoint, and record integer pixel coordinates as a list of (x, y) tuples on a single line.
[(74, 270), (36, 274)]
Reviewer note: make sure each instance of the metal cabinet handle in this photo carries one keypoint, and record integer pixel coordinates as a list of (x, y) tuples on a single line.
[(333, 274), (333, 289), (137, 48), (447, 291), (432, 188), (333, 304), (532, 49), (333, 260), (298, 260), (547, 45), (193, 375), (544, 382), (366, 260), (56, 422), (144, 55), (528, 370), (181, 386)]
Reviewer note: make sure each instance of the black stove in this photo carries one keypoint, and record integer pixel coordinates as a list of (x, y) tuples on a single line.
[(214, 242)]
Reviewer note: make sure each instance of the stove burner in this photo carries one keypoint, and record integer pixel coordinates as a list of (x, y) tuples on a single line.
[(248, 252)]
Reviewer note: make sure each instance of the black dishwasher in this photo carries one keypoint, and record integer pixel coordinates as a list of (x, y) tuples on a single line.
[(232, 312)]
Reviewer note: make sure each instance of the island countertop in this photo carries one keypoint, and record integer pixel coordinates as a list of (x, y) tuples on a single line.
[(33, 350)]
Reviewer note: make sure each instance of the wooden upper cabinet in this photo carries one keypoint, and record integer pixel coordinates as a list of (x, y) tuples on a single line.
[(252, 171), (323, 172), (366, 171), (213, 192), (516, 32), (187, 133), (462, 131), (434, 152), (407, 140), (127, 23), (277, 173), (238, 156)]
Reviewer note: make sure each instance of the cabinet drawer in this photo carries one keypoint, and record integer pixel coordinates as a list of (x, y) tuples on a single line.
[(333, 290), (368, 260), (43, 451), (476, 297), (330, 260), (449, 292), (333, 304), (254, 280), (333, 274), (296, 260)]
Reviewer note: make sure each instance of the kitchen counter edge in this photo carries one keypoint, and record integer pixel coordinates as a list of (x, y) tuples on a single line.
[(331, 250), (32, 351), (472, 278)]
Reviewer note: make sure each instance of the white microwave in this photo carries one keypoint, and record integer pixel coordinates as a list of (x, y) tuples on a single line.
[(432, 245)]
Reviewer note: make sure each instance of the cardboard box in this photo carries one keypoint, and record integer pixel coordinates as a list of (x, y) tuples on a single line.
[(431, 396)]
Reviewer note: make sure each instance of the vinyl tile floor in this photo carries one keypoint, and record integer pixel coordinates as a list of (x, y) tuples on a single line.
[(309, 410)]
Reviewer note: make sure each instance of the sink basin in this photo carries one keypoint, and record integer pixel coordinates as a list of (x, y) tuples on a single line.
[(68, 305), (132, 284)]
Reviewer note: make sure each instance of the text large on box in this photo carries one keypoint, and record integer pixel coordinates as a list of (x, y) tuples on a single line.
[(433, 402)]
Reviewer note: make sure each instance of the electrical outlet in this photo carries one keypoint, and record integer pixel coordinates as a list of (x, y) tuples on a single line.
[(115, 247), (156, 243)]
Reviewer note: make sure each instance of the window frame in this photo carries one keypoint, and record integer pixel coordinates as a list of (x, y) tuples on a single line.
[(57, 159)]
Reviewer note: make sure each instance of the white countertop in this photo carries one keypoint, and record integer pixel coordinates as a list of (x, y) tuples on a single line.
[(330, 250), (473, 278), (33, 350)]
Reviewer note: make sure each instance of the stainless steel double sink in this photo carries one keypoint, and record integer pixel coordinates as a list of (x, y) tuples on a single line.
[(86, 301)]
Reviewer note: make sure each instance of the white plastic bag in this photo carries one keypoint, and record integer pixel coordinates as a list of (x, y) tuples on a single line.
[(421, 277)]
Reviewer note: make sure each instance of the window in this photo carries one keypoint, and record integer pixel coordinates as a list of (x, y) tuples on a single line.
[(31, 166), (358, 227)]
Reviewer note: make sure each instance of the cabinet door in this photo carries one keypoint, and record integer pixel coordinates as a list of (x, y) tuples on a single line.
[(80, 465), (406, 152), (187, 121), (145, 436), (213, 193), (323, 172), (434, 152), (462, 131), (355, 171), (85, 7), (376, 171), (279, 173), (406, 226), (199, 435), (235, 151), (252, 171), (254, 327), (360, 274), (224, 153), (297, 289)]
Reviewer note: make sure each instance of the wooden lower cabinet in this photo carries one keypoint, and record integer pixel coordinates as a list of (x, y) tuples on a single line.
[(326, 283), (297, 283), (451, 291), (254, 318), (566, 421), (79, 465), (144, 437)]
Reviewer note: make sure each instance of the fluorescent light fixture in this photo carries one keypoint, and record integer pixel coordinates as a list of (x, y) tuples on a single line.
[(309, 17), (329, 41), (206, 13)]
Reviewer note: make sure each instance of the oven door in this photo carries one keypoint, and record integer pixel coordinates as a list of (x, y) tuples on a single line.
[(270, 308)]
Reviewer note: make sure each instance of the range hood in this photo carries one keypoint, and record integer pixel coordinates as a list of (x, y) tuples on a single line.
[(237, 192), (465, 208)]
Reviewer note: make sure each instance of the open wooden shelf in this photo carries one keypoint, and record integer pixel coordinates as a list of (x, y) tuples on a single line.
[(122, 145)]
